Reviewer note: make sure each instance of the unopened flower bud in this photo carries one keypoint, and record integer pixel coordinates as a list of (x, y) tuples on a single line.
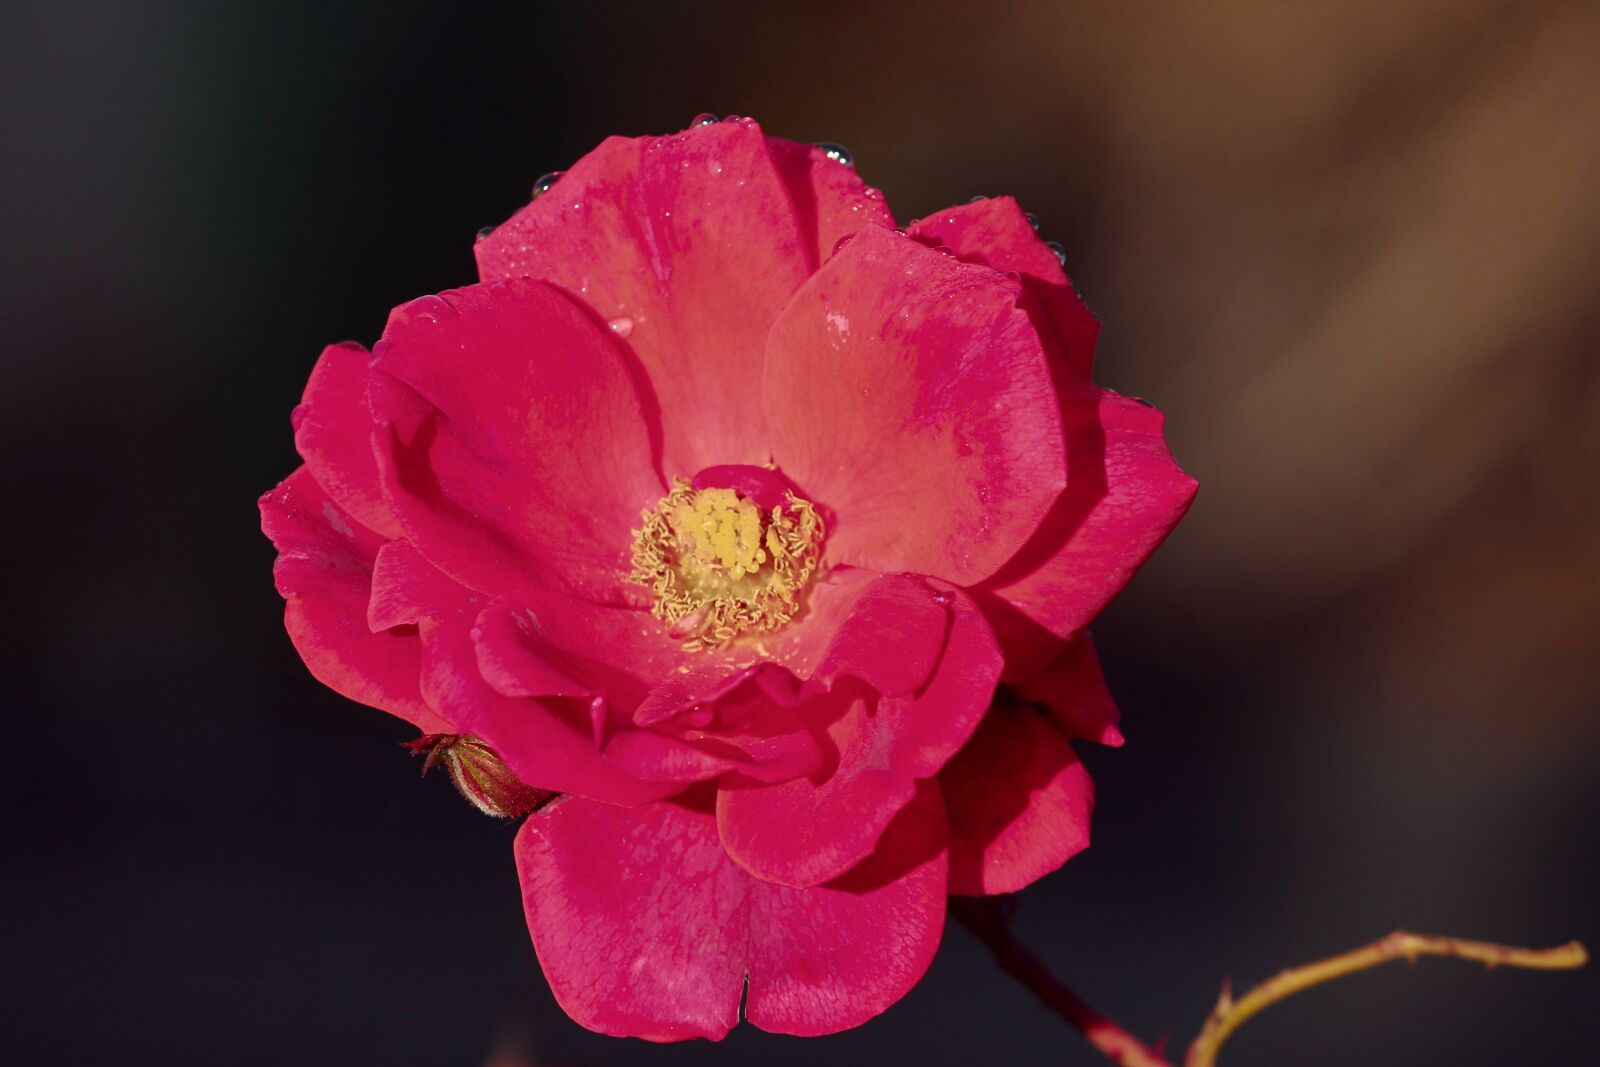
[(479, 775)]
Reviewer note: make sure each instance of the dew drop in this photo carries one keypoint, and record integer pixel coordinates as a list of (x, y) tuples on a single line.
[(980, 198), (732, 118), (1059, 249), (485, 232), (622, 326), (1033, 220), (544, 183), (837, 152), (705, 118), (941, 597), (841, 242)]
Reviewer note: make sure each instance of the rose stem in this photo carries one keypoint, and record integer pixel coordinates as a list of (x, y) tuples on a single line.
[(1230, 1014), (982, 916)]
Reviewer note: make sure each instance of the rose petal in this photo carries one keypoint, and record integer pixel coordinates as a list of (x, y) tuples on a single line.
[(543, 642), (664, 714), (324, 572), (1124, 496), (407, 590), (548, 744), (1072, 691), (1019, 802), (805, 831), (830, 199), (515, 445), (997, 234), (689, 245), (333, 434), (909, 394), (645, 928)]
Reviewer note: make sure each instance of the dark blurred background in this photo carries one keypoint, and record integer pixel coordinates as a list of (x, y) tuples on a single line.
[(1350, 248)]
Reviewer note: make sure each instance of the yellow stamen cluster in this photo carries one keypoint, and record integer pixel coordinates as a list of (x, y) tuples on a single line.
[(720, 567)]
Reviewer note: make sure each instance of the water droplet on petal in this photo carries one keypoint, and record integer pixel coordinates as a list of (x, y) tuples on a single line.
[(1059, 249), (732, 118), (705, 118), (837, 152), (622, 326), (941, 597), (485, 232), (980, 198), (1141, 400), (545, 181), (841, 242), (1033, 220)]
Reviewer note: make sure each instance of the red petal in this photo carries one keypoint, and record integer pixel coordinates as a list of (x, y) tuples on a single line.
[(690, 245), (909, 394), (1124, 496), (804, 831), (407, 590), (1072, 691), (1019, 803), (996, 233), (333, 433), (830, 198), (645, 928), (324, 572), (517, 447), (548, 744), (663, 714)]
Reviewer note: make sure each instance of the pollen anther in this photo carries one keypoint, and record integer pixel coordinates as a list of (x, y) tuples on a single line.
[(720, 566)]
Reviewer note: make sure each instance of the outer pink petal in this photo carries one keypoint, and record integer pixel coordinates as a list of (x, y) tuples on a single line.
[(324, 572), (909, 394), (645, 928), (1019, 803), (996, 233), (689, 245), (333, 434), (808, 831), (514, 444), (829, 198), (1072, 692), (1124, 496)]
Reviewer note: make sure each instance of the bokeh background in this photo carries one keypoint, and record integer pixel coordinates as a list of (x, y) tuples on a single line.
[(1350, 248)]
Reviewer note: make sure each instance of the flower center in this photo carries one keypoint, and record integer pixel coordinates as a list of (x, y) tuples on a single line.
[(727, 554)]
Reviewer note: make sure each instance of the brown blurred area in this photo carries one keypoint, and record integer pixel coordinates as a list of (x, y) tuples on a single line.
[(1350, 248), (1353, 250)]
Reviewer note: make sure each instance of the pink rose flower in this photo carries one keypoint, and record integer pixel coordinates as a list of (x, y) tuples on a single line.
[(762, 537)]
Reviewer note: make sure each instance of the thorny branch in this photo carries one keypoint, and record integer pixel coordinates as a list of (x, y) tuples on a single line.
[(984, 918)]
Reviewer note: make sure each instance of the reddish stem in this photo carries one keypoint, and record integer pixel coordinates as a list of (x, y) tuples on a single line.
[(982, 916)]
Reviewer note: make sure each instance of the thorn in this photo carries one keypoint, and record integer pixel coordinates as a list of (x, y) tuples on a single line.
[(1225, 998)]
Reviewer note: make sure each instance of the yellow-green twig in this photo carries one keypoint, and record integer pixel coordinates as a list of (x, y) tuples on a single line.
[(1230, 1014)]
